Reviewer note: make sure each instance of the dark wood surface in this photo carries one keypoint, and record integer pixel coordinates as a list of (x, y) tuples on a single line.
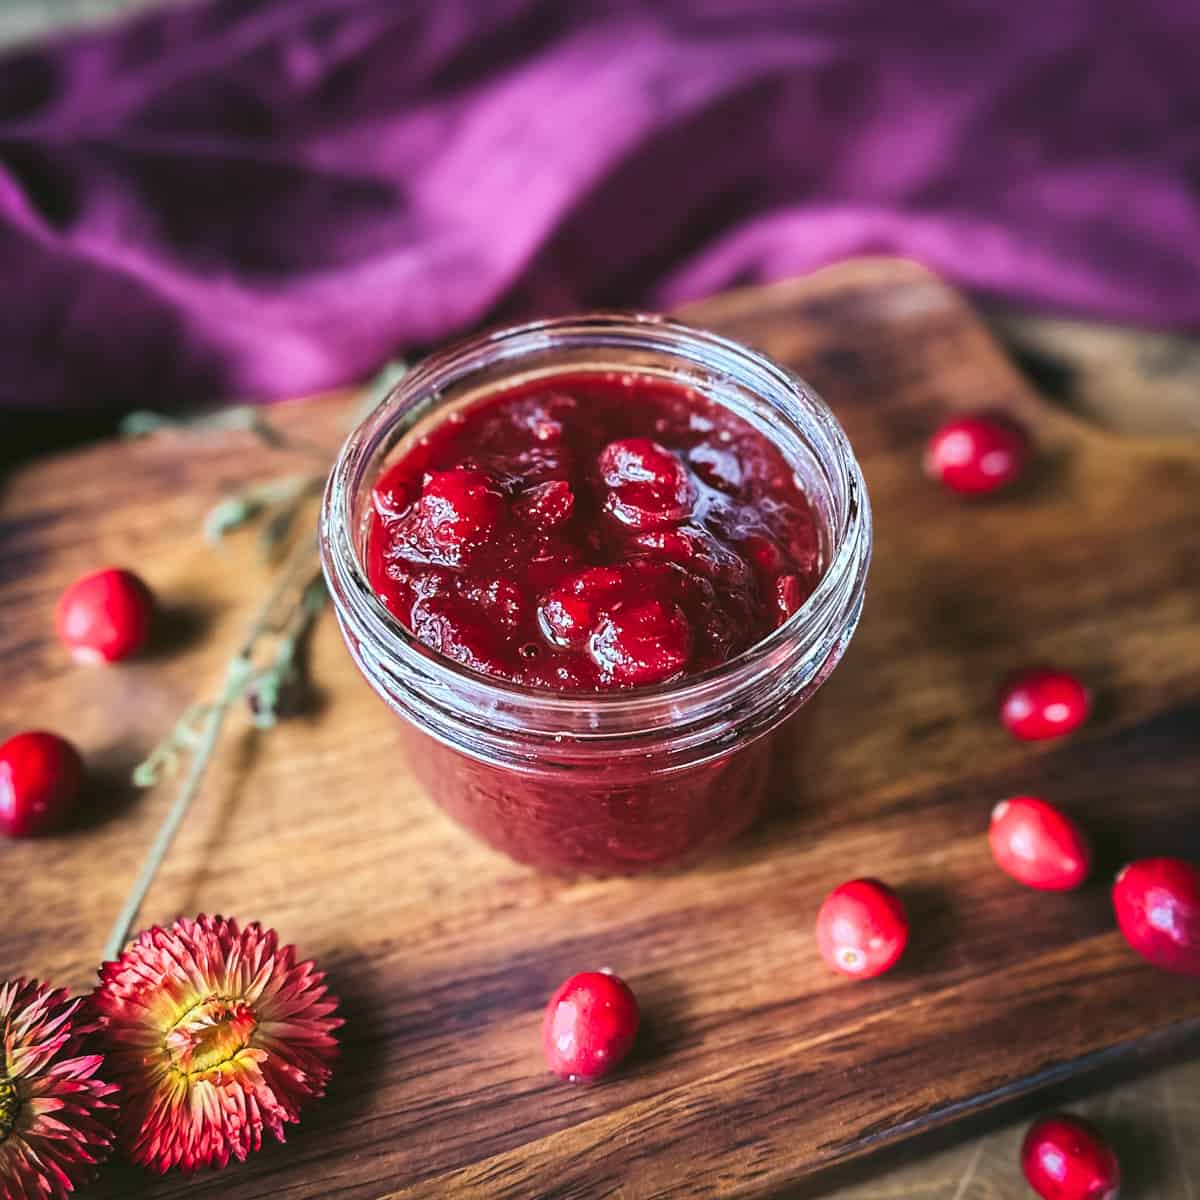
[(758, 1068)]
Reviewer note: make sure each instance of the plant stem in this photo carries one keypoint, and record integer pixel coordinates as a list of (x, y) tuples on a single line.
[(238, 672), (242, 416), (166, 833)]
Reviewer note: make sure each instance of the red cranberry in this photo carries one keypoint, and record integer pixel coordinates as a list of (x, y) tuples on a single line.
[(673, 544), (451, 626), (459, 511), (566, 619), (40, 777), (640, 644), (703, 554), (590, 1025), (105, 616), (804, 546), (571, 611), (546, 505), (649, 485), (862, 928), (764, 555), (543, 413), (1157, 902), (1038, 845), (639, 460), (977, 454), (1043, 703), (1064, 1158)]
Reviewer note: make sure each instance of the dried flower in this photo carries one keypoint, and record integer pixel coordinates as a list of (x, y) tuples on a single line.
[(213, 1032), (55, 1123)]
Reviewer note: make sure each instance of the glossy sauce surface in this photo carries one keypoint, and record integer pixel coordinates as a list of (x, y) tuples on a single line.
[(591, 531)]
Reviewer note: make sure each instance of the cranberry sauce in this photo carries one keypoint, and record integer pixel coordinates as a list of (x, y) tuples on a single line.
[(590, 531)]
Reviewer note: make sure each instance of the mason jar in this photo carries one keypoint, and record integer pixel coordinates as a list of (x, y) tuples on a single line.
[(615, 782)]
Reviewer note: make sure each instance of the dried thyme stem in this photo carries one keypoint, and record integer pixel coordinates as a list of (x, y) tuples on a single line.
[(238, 672)]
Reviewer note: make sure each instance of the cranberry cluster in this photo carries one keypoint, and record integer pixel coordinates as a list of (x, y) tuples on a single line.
[(103, 617), (591, 532), (862, 929)]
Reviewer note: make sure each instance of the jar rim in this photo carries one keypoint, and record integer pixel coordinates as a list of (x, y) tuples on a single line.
[(835, 601)]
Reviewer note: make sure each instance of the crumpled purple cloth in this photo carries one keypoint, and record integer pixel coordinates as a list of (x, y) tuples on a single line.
[(269, 198)]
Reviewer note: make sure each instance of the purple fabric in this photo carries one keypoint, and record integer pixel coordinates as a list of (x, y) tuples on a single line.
[(269, 198)]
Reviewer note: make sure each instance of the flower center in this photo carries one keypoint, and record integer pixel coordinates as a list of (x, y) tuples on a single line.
[(209, 1034), (10, 1105)]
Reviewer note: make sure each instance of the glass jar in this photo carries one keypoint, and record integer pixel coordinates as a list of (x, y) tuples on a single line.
[(617, 782)]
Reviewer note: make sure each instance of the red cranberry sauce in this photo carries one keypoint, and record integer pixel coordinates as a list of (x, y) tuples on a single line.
[(590, 531)]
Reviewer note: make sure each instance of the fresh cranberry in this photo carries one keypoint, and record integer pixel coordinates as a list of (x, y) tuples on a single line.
[(1157, 902), (458, 512), (105, 616), (1043, 703), (642, 643), (546, 505), (1038, 845), (977, 454), (1065, 1158), (649, 485), (590, 1025), (862, 928), (40, 777)]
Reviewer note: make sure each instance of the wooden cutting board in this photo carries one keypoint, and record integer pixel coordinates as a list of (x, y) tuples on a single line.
[(757, 1066)]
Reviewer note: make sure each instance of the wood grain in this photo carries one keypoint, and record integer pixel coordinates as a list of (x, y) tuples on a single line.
[(758, 1068)]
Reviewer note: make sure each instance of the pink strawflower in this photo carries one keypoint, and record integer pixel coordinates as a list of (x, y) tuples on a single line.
[(55, 1120), (213, 1032)]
